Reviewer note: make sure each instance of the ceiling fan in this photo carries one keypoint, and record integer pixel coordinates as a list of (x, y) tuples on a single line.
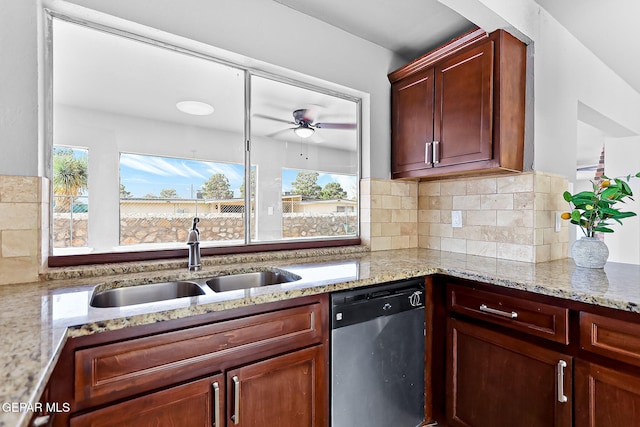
[(304, 123)]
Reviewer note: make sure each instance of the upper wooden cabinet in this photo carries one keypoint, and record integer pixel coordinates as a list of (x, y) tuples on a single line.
[(460, 108)]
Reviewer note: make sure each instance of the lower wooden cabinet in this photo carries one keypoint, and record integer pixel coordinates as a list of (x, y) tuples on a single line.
[(261, 366), (284, 391), (515, 358), (606, 397), (185, 405), (496, 380)]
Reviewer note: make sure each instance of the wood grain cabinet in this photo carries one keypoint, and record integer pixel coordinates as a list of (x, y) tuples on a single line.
[(460, 108), (257, 366), (608, 391), (493, 378), (185, 405), (496, 380), (514, 358), (284, 391)]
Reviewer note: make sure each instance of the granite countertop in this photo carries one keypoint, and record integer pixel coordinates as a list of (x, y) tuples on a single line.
[(38, 317)]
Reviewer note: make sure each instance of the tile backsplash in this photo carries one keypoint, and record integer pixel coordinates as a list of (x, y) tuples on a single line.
[(24, 207), (389, 214), (508, 217)]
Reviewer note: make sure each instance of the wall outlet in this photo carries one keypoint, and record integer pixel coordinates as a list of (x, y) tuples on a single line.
[(456, 219), (558, 222)]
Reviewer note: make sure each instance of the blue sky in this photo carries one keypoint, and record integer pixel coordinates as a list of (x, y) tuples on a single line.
[(142, 175)]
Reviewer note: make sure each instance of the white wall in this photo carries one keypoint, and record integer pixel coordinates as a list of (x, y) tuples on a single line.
[(621, 158), (565, 73), (262, 30), (18, 88)]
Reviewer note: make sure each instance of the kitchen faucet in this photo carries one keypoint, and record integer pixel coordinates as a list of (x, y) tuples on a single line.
[(193, 240)]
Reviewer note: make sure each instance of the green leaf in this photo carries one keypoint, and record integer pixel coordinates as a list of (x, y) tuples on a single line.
[(620, 215), (567, 196), (575, 215), (603, 229), (585, 195), (608, 192)]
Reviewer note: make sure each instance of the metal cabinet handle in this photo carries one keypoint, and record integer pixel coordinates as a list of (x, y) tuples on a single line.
[(427, 153), (560, 371), (436, 153), (216, 404), (236, 396), (510, 315), (42, 420)]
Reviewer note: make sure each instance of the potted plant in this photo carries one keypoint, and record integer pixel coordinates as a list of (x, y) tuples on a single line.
[(593, 211)]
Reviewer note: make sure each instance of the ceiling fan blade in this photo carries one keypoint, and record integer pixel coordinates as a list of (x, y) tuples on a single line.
[(282, 131), (262, 116), (335, 125)]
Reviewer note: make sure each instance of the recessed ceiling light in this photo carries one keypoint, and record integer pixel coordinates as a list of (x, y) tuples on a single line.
[(195, 108)]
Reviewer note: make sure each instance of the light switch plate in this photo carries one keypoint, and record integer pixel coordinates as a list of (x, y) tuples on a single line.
[(456, 219)]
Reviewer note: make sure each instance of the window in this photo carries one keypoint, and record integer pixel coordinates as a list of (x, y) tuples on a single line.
[(70, 198), (172, 136), (159, 196)]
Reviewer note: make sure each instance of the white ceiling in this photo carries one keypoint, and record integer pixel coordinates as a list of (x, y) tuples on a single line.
[(409, 28), (413, 27), (607, 28)]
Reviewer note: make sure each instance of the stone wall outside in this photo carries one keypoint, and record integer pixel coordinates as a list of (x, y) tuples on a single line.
[(159, 228)]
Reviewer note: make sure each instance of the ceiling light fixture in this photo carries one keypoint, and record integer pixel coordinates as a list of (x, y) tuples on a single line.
[(304, 131), (195, 108)]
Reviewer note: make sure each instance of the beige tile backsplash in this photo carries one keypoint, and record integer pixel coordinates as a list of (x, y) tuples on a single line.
[(389, 214), (510, 217), (23, 240)]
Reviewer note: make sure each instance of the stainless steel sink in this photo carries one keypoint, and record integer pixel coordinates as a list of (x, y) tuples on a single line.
[(141, 294), (254, 279)]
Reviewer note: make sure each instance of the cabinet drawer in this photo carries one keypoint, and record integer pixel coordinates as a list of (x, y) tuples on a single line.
[(618, 339), (122, 369), (534, 318)]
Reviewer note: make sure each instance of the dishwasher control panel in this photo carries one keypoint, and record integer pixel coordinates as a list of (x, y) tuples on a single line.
[(354, 306)]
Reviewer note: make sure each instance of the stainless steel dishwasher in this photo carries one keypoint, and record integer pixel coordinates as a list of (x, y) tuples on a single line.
[(377, 356)]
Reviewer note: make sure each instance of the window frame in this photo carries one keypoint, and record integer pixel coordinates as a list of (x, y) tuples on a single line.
[(249, 71)]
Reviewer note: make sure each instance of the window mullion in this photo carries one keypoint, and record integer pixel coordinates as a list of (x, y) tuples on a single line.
[(247, 158)]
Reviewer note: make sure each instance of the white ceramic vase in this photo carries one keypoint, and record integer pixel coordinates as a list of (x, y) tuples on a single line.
[(590, 252)]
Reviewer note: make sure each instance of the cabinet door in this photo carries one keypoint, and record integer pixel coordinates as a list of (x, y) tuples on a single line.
[(605, 397), (495, 380), (284, 391), (412, 122), (195, 404), (463, 126)]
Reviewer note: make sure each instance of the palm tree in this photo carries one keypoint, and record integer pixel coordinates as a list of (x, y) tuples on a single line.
[(69, 178)]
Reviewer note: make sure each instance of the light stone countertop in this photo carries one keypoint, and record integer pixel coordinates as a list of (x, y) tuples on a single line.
[(37, 318)]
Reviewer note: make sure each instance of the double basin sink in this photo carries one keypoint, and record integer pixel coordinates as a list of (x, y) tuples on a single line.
[(155, 292)]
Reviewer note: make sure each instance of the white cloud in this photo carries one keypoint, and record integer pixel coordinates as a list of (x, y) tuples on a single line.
[(140, 163), (159, 166), (233, 172)]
